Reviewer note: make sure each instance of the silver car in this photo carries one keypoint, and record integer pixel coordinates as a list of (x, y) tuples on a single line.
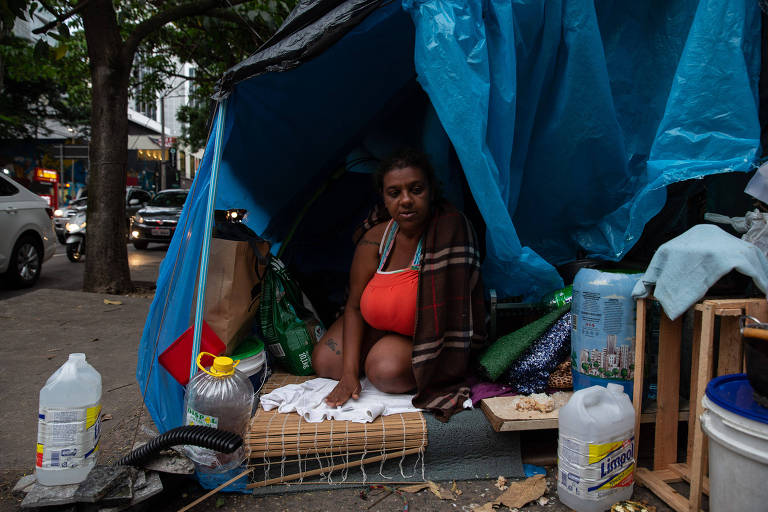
[(26, 233), (157, 221)]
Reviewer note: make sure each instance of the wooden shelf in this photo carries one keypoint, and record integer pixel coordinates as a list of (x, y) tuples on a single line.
[(729, 359)]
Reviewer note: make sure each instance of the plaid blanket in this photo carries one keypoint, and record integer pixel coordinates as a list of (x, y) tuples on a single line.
[(450, 320)]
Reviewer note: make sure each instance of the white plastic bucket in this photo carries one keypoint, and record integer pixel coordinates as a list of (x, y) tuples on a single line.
[(738, 459)]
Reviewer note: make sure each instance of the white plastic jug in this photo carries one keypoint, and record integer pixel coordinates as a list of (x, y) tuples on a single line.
[(222, 398), (69, 424), (596, 449)]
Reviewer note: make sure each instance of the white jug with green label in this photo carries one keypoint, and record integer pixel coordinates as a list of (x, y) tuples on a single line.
[(69, 424), (220, 397), (596, 449)]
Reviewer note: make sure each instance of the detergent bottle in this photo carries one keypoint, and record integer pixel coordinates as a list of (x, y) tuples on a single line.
[(69, 424), (596, 449), (220, 397)]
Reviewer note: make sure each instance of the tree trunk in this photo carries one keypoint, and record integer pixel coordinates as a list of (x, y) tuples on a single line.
[(106, 262)]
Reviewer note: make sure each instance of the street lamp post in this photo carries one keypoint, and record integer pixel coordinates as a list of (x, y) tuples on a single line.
[(162, 144)]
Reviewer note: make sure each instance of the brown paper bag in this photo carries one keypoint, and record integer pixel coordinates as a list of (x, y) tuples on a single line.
[(232, 290)]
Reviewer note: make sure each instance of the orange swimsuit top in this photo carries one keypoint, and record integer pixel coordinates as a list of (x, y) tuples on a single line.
[(388, 302)]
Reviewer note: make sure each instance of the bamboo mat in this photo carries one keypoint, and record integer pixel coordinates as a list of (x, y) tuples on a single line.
[(290, 438)]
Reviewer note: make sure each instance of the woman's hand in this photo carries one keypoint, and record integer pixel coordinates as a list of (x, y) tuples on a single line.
[(348, 386)]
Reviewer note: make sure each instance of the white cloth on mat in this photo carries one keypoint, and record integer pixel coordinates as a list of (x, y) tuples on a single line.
[(308, 400)]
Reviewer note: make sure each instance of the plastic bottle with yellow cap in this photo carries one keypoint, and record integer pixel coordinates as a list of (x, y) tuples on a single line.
[(220, 397)]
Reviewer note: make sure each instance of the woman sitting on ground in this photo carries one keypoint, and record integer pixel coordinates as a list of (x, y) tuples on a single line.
[(415, 303)]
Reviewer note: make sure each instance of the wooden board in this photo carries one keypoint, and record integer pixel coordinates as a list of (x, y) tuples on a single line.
[(668, 396), (660, 488), (503, 417)]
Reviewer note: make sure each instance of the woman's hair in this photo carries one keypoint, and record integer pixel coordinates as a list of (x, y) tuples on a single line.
[(403, 158)]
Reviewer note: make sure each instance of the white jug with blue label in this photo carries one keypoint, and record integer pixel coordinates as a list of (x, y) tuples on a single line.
[(69, 424), (596, 449)]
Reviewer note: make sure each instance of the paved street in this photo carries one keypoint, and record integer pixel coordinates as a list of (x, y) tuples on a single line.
[(61, 274)]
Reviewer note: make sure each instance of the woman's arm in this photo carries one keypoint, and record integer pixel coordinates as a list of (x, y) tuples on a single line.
[(364, 264)]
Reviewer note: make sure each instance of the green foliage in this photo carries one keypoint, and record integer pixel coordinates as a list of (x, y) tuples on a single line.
[(50, 79), (10, 10), (41, 83)]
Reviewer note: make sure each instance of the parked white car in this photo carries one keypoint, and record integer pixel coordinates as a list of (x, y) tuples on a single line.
[(26, 233)]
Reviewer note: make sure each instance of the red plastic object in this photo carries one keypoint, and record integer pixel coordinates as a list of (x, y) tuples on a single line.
[(178, 357)]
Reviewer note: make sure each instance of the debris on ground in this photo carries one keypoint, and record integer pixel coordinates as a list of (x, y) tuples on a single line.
[(440, 492), (517, 494), (387, 492), (520, 493), (113, 302), (501, 483), (108, 486), (24, 483), (631, 506), (168, 461)]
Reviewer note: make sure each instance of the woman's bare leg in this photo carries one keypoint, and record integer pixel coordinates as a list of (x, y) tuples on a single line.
[(389, 364), (326, 357)]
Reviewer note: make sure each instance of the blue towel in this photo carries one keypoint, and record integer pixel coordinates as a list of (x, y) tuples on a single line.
[(684, 268)]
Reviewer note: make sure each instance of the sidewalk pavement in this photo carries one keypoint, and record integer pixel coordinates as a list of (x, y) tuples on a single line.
[(40, 329)]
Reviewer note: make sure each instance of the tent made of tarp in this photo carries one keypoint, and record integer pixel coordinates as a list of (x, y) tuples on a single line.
[(561, 122)]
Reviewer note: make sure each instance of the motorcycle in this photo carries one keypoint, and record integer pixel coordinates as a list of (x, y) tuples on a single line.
[(75, 241)]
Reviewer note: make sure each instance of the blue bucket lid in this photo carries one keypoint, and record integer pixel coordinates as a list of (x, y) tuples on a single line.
[(733, 393)]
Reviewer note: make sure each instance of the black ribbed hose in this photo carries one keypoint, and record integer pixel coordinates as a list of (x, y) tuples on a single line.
[(197, 435)]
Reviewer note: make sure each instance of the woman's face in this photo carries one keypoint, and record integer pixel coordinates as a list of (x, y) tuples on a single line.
[(407, 196)]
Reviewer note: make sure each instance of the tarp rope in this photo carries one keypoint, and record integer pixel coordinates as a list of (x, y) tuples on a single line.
[(207, 236)]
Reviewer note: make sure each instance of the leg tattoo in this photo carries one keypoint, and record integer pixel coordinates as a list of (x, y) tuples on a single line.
[(333, 346)]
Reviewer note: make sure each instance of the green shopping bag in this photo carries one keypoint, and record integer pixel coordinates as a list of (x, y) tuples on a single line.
[(288, 323)]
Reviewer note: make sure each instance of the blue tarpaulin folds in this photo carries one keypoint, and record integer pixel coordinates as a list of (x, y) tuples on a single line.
[(568, 119), (571, 116)]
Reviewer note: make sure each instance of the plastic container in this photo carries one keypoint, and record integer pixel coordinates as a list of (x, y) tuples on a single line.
[(603, 329), (222, 398), (737, 427), (596, 449), (253, 361), (69, 424)]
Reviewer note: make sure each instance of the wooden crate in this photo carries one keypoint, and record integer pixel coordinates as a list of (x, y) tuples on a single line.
[(729, 360)]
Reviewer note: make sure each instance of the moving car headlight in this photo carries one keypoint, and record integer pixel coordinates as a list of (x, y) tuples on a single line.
[(74, 228), (140, 219), (58, 213)]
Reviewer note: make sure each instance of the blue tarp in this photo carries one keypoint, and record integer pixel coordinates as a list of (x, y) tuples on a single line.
[(567, 117), (571, 116)]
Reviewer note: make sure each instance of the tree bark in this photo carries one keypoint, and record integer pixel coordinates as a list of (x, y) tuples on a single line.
[(106, 264), (111, 59)]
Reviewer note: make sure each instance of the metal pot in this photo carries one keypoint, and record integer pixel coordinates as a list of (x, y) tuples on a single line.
[(754, 334)]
